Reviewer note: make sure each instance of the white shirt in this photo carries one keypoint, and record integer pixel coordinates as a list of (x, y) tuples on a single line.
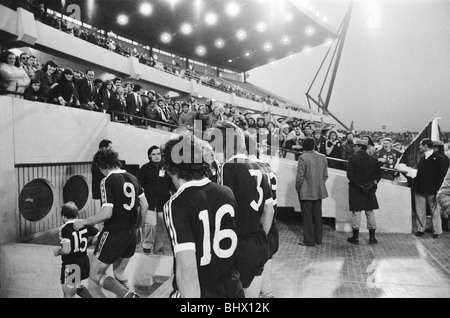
[(428, 153)]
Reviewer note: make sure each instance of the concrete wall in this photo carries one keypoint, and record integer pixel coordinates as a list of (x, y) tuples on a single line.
[(394, 215), (36, 133)]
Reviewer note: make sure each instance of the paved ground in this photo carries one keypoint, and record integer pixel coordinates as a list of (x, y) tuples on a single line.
[(400, 266)]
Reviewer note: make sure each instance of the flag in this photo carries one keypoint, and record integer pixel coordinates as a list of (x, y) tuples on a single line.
[(409, 161)]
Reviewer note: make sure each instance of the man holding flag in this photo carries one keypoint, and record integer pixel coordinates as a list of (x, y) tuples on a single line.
[(425, 172), (430, 174)]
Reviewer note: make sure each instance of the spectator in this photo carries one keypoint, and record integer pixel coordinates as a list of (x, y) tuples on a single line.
[(34, 64), (175, 114), (307, 131), (201, 118), (106, 92), (117, 82), (153, 113), (98, 83), (164, 112), (284, 133), (66, 92), (128, 88), (364, 173), (32, 92), (430, 174), (398, 146), (77, 75), (320, 141), (370, 146), (134, 103), (187, 117), (48, 76), (215, 116), (272, 139), (294, 140), (347, 147), (158, 186), (13, 78), (334, 149), (86, 91), (25, 64), (312, 173), (388, 157), (118, 105)]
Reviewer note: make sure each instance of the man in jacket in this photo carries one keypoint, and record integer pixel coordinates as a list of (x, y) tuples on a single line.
[(430, 174), (157, 185), (86, 91), (312, 172), (364, 173)]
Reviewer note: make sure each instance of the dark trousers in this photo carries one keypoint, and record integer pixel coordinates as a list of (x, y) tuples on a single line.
[(312, 221)]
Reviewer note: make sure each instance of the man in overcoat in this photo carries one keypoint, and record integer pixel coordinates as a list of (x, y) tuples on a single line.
[(364, 173), (312, 172)]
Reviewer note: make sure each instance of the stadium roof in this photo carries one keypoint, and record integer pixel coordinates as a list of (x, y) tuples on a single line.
[(239, 35)]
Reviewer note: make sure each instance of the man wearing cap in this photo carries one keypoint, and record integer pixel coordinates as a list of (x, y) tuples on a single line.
[(429, 178), (364, 173), (388, 158), (312, 173), (439, 150)]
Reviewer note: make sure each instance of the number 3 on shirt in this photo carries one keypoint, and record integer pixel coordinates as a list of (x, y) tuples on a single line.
[(255, 205), (219, 235), (129, 192)]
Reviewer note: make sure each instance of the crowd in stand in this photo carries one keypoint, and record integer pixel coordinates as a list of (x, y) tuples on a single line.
[(129, 103), (141, 52)]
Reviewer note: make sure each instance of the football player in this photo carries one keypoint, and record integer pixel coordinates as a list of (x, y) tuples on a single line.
[(121, 196), (250, 185), (200, 219), (74, 243)]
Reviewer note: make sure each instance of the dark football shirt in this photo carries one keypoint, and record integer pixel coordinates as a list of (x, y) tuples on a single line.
[(78, 241), (252, 190), (121, 191), (267, 169), (200, 217)]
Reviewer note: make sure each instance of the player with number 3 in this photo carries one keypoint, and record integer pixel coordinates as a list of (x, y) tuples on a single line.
[(252, 189)]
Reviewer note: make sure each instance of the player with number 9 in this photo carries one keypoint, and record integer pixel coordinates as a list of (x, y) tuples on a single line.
[(121, 196)]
